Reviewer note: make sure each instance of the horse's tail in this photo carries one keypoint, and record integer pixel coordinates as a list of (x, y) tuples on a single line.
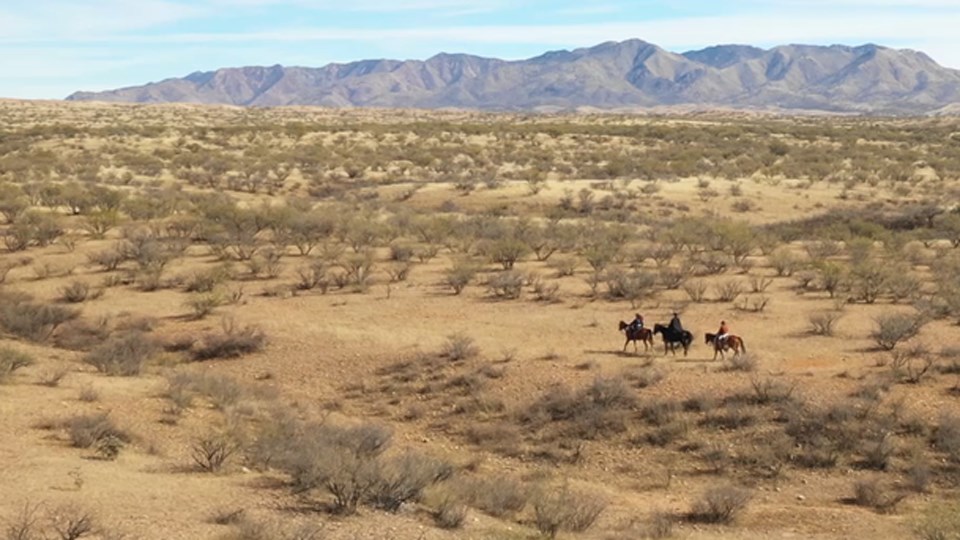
[(743, 345)]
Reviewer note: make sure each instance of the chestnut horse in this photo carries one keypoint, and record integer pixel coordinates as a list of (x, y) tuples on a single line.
[(731, 342), (643, 335)]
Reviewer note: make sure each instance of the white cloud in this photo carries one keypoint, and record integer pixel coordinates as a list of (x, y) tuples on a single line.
[(906, 30), (375, 6), (52, 20)]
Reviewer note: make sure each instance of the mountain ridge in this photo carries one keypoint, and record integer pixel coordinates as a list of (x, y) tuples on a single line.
[(866, 79)]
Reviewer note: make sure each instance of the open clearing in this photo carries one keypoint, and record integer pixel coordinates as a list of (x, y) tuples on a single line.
[(304, 323)]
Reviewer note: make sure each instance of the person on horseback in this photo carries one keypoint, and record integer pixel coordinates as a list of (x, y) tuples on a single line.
[(637, 323), (675, 325), (722, 334)]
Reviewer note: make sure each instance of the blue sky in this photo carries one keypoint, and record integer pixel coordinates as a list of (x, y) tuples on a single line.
[(54, 47)]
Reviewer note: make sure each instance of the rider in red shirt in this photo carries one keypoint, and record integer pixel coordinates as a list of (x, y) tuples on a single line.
[(722, 333)]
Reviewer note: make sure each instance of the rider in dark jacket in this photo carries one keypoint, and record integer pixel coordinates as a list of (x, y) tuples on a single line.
[(675, 325), (637, 322)]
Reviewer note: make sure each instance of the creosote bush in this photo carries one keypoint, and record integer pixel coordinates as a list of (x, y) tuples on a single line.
[(79, 291), (231, 342), (123, 355), (500, 496), (720, 504), (459, 347), (12, 360), (564, 509), (894, 328), (872, 493), (823, 323), (29, 320), (86, 431), (211, 451), (458, 276)]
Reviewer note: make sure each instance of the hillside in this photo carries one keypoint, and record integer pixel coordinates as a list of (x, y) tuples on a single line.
[(613, 75)]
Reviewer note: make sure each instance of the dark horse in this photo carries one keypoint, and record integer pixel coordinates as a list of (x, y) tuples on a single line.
[(673, 338), (643, 335), (732, 342)]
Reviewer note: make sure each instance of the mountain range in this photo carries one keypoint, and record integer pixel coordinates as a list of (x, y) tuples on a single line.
[(632, 74)]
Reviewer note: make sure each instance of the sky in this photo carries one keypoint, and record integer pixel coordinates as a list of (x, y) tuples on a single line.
[(52, 48)]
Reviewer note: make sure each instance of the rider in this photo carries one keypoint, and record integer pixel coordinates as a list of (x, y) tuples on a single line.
[(722, 333), (637, 323), (675, 325)]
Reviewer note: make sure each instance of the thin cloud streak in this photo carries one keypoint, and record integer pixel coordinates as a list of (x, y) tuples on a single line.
[(671, 32)]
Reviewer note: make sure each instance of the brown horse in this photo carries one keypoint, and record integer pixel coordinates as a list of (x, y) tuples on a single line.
[(731, 342), (643, 335)]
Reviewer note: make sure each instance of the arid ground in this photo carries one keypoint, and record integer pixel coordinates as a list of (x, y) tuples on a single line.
[(307, 323)]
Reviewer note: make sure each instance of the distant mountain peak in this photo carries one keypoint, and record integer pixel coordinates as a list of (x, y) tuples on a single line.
[(620, 75)]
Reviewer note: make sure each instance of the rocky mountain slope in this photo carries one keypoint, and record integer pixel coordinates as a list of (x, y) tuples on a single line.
[(613, 75)]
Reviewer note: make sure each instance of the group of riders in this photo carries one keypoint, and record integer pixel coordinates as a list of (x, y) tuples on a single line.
[(676, 328)]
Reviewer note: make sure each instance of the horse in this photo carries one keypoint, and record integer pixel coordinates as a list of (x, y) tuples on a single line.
[(731, 342), (672, 338), (643, 335)]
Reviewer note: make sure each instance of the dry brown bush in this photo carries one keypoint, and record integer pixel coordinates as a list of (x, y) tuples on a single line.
[(71, 523), (82, 334), (596, 410), (696, 290), (873, 493), (231, 342), (822, 323), (729, 290), (458, 276), (123, 355), (720, 504), (12, 360), (500, 496), (563, 509), (210, 452), (403, 478), (450, 514), (26, 319), (893, 328), (345, 462), (459, 347), (79, 291), (87, 430), (507, 284)]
